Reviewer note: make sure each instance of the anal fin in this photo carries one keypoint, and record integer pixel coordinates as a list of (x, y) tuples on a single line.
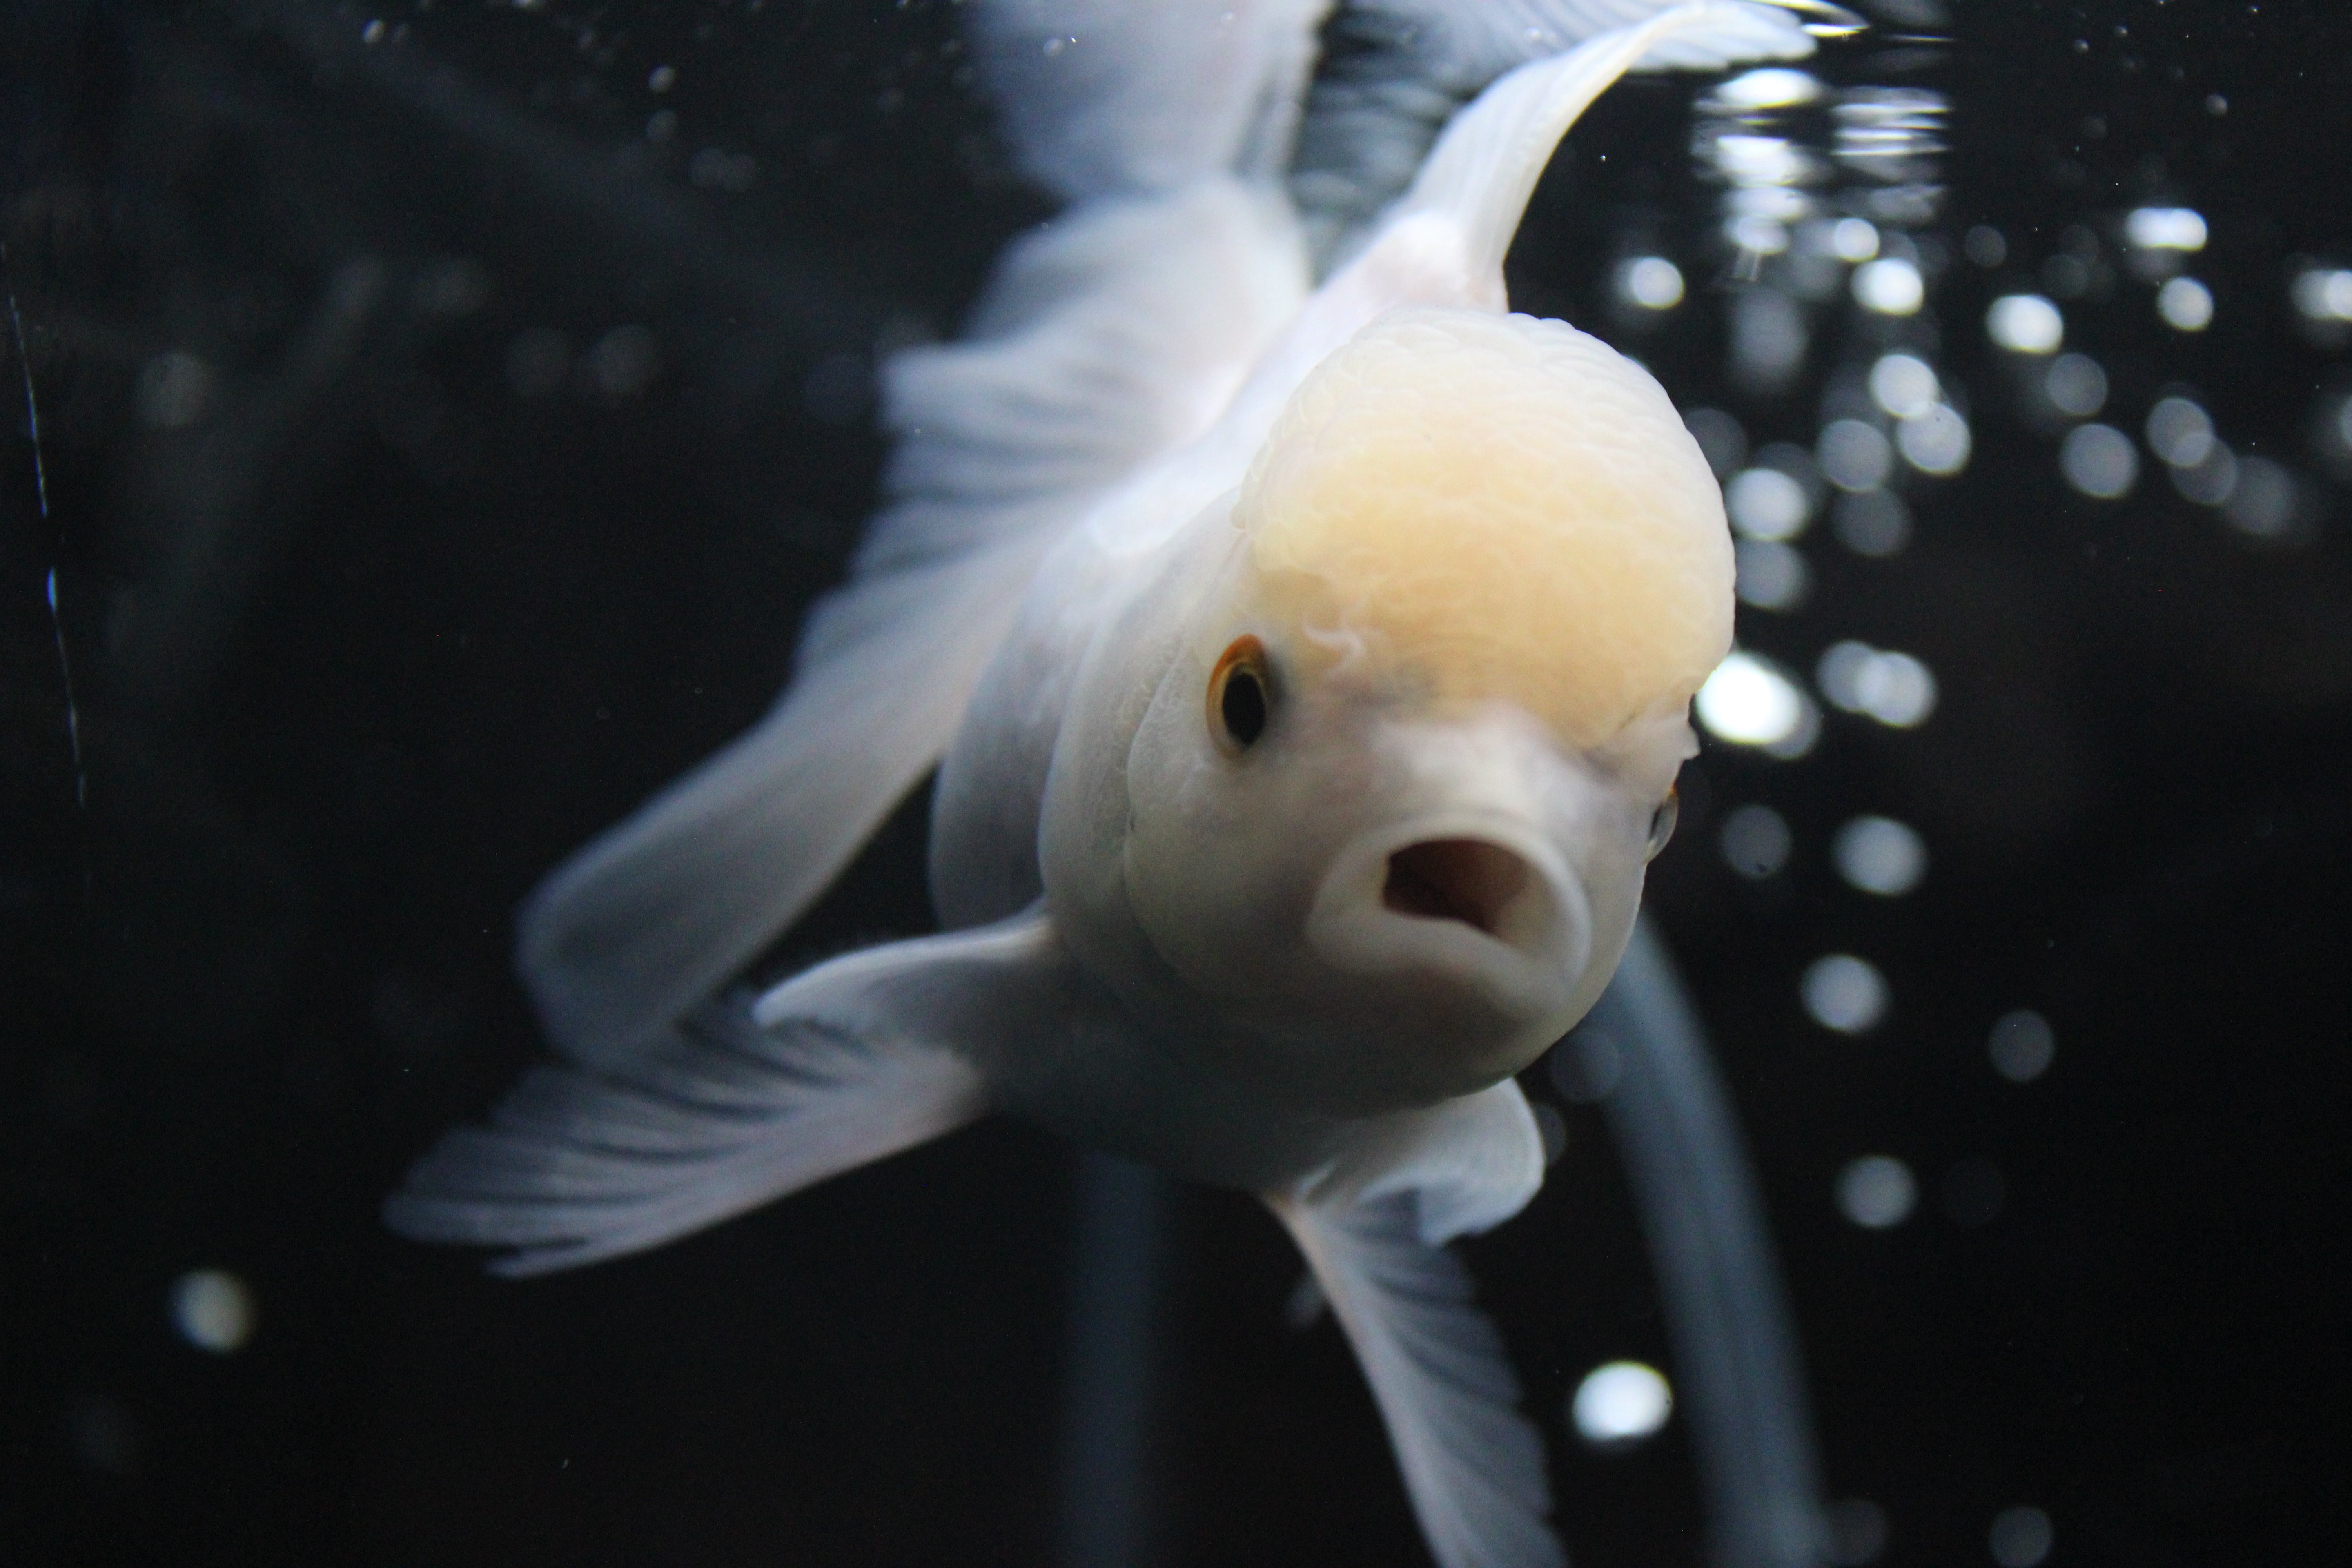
[(1373, 1232)]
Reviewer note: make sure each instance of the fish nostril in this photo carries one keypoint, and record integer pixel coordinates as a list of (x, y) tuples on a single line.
[(1466, 880)]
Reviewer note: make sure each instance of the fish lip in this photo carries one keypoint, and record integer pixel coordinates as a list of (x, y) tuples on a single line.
[(1536, 946)]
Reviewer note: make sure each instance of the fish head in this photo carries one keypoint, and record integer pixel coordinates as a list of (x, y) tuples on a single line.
[(1388, 809)]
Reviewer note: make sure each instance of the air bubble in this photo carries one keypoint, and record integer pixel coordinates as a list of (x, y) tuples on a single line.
[(2165, 229), (1879, 855), (2022, 1046), (1749, 702), (1653, 283), (1621, 1403), (213, 1309), (1755, 841), (1855, 454), (2099, 460), (1765, 503), (2179, 432), (1844, 993), (1895, 689), (2262, 503), (1770, 575), (1890, 286), (2021, 1538), (2075, 385), (1877, 1192), (1905, 385), (2026, 324), (1935, 442), (1874, 523), (2186, 305)]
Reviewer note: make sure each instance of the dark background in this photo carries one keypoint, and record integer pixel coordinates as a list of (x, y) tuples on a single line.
[(528, 432)]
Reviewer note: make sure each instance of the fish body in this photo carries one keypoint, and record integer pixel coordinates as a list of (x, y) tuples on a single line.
[(1305, 667)]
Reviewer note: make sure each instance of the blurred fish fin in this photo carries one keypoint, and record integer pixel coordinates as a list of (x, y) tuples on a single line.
[(655, 916), (853, 1060), (1466, 1164), (1403, 67), (1110, 337), (1104, 339), (1742, 1383), (1102, 100), (1474, 1466)]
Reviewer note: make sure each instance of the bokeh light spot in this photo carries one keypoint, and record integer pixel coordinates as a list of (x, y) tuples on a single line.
[(2186, 305), (213, 1309), (1755, 841), (2077, 385), (1765, 503), (1855, 454), (2179, 432), (1873, 522), (1934, 441), (2021, 1537), (1653, 283), (1890, 286), (2324, 293), (2022, 1046), (1749, 703), (1879, 855), (1770, 86), (1853, 239), (1905, 385), (2099, 460), (1877, 1192), (1620, 1401), (2262, 503), (1770, 575), (1720, 440), (1843, 993), (2165, 229), (1895, 689), (2025, 324)]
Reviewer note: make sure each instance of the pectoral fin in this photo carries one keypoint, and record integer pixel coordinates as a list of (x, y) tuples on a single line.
[(1372, 1230), (854, 1060)]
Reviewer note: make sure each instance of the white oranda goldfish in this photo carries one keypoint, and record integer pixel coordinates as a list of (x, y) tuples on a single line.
[(1306, 666)]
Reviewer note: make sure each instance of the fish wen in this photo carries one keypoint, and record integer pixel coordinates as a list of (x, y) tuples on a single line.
[(1304, 644)]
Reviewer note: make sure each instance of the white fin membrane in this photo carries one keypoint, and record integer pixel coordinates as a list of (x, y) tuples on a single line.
[(1148, 95), (1374, 1229), (1106, 338), (1735, 1355), (856, 1059), (1474, 1466)]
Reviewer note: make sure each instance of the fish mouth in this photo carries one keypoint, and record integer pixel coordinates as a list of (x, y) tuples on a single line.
[(1486, 903), (1474, 881)]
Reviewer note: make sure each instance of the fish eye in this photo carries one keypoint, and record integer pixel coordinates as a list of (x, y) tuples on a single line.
[(1241, 695), (1662, 822)]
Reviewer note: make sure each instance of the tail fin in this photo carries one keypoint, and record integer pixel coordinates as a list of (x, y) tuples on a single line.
[(1148, 95)]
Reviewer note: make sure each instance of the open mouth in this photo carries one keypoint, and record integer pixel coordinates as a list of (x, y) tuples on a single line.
[(1466, 880)]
